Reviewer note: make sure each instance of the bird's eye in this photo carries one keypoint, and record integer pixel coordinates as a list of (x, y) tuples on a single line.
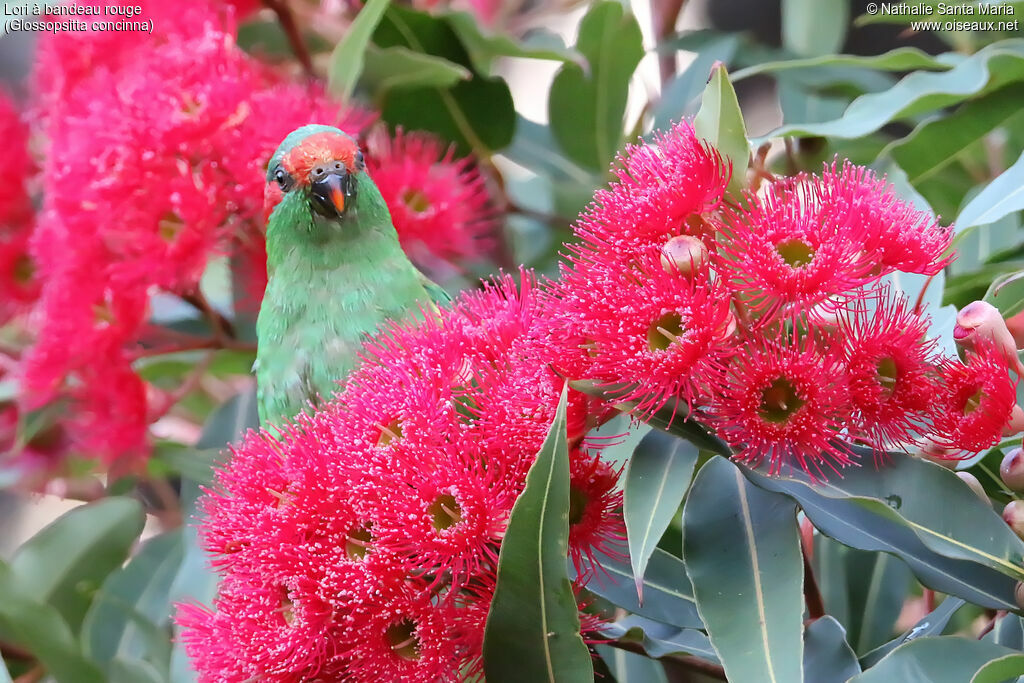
[(283, 179)]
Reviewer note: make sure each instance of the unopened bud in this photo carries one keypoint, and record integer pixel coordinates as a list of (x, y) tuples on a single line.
[(1015, 324), (974, 484), (939, 455), (683, 254), (1013, 514), (1011, 471), (980, 320), (1015, 424)]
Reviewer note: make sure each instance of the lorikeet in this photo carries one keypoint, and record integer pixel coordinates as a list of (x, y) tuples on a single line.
[(335, 271)]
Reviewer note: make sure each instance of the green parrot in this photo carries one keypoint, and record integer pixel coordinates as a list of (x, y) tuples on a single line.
[(335, 271)]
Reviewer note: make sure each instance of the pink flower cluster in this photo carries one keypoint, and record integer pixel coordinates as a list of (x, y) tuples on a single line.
[(18, 278), (154, 153), (767, 317), (362, 544)]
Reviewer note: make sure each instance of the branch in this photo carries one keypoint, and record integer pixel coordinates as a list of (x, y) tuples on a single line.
[(291, 30), (687, 662), (812, 594), (664, 14)]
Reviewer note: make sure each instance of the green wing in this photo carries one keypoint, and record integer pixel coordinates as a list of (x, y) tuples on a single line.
[(436, 291)]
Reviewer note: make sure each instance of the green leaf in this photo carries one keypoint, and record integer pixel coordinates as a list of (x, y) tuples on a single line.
[(947, 658), (811, 28), (922, 513), (827, 655), (196, 465), (533, 626), (657, 477), (347, 58), (128, 671), (484, 47), (586, 108), (1008, 632), (65, 563), (39, 628), (659, 640), (900, 59), (935, 144), (1007, 294), (130, 617), (863, 590), (230, 422), (720, 122), (1004, 195), (668, 595), (986, 71), (933, 624), (628, 667), (679, 94), (400, 67), (478, 115), (741, 547)]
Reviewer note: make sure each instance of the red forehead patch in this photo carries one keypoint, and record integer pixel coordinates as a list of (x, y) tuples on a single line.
[(317, 148)]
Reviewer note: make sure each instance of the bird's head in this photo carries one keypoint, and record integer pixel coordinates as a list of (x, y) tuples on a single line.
[(320, 162)]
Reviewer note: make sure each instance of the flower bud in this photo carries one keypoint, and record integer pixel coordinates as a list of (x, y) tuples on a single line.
[(1015, 424), (1013, 514), (979, 321), (683, 254), (939, 455), (1012, 470), (974, 484), (1015, 324)]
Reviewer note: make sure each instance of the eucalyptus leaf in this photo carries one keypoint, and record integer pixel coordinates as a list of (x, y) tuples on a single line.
[(484, 47), (399, 67), (1008, 631), (668, 595), (659, 640), (679, 94), (985, 71), (1004, 195), (932, 624), (1007, 294), (657, 477), (827, 655), (129, 619), (66, 562), (720, 122), (900, 59), (627, 667), (812, 28), (347, 58), (741, 547), (586, 106), (533, 626), (946, 658)]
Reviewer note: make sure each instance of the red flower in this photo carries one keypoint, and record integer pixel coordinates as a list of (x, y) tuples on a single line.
[(374, 525), (18, 277), (439, 204), (890, 369), (596, 528), (975, 401), (784, 401)]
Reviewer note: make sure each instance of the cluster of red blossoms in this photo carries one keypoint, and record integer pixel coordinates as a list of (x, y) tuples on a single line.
[(362, 544), (153, 158), (769, 318)]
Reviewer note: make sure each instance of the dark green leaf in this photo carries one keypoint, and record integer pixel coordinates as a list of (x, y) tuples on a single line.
[(39, 628), (347, 58), (933, 624), (900, 59), (986, 71), (657, 477), (1008, 632), (660, 639), (1000, 197), (720, 122), (859, 523), (741, 547), (586, 107), (814, 27), (935, 144), (130, 671), (190, 463), (627, 667), (947, 658), (827, 655), (484, 47), (668, 595), (533, 626), (533, 148), (65, 563), (130, 617), (478, 115), (399, 67)]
